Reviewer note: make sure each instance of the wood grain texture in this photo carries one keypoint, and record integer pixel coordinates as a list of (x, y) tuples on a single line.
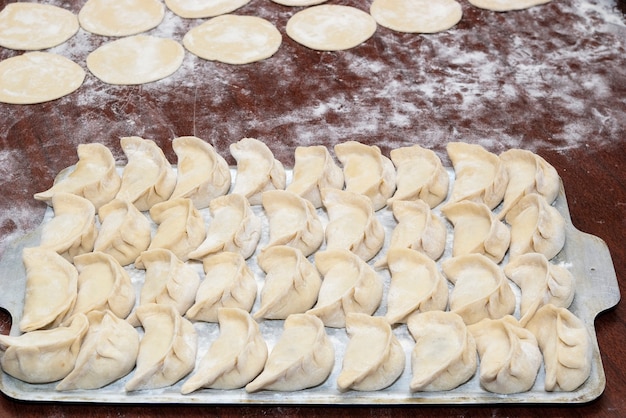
[(394, 90)]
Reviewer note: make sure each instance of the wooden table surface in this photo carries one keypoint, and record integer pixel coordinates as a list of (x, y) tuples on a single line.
[(551, 80)]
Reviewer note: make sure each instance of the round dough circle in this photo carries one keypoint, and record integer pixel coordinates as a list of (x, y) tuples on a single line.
[(120, 17), (136, 59), (192, 9), (331, 27), (33, 26), (37, 77), (417, 16), (234, 39), (506, 5)]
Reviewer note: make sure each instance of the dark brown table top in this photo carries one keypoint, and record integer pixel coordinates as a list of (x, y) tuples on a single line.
[(551, 79)]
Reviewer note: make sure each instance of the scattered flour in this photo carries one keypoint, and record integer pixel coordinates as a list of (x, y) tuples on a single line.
[(564, 71)]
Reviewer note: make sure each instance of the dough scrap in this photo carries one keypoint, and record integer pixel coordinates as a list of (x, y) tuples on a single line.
[(331, 27), (136, 59), (120, 17), (417, 16), (33, 26), (234, 39), (506, 5), (38, 77), (193, 9)]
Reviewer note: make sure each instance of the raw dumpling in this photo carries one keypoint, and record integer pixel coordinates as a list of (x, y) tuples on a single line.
[(314, 169), (349, 285), (293, 221), (535, 227), (367, 171), (257, 169), (236, 357), (541, 282), (43, 356), (148, 177), (374, 357), (416, 285), (203, 174), (352, 223), (420, 176), (228, 283), (477, 230), (303, 357), (72, 230), (51, 288), (444, 356), (124, 231), (481, 290), (480, 175), (528, 173), (509, 355), (566, 347), (234, 228), (167, 351), (418, 229), (181, 227), (94, 177), (103, 285), (291, 284), (109, 352), (168, 280)]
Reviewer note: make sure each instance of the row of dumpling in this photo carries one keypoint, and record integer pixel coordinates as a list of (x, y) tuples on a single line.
[(522, 181), (96, 349)]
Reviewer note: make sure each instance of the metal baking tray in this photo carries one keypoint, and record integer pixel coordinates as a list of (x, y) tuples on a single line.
[(586, 256)]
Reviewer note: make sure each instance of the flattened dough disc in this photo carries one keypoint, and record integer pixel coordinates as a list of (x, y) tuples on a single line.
[(192, 9), (37, 77), (33, 26), (234, 39), (120, 17), (417, 16), (331, 27), (136, 59), (506, 5)]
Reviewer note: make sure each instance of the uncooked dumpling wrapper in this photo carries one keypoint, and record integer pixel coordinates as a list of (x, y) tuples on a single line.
[(38, 77)]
